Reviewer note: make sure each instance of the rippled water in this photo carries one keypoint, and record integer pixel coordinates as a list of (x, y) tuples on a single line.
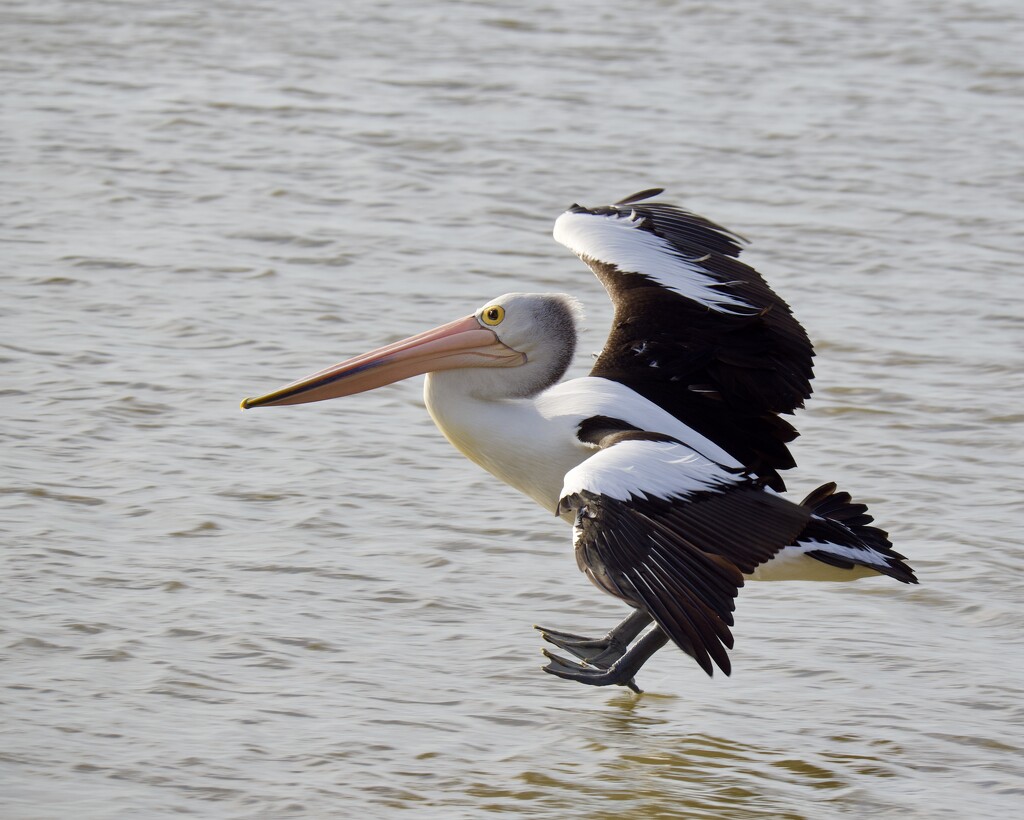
[(326, 611)]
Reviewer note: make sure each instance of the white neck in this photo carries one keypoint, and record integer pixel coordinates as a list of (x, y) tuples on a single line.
[(510, 438)]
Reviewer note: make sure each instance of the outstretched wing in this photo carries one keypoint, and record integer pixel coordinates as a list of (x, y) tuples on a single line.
[(670, 532), (695, 330)]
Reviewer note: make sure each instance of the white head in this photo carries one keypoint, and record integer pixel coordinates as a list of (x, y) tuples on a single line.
[(541, 326)]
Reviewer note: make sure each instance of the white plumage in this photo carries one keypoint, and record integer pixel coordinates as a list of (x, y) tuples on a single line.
[(618, 237), (641, 469)]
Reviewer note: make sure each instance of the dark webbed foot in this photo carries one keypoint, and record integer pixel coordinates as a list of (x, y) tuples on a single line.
[(602, 652), (621, 673), (593, 675)]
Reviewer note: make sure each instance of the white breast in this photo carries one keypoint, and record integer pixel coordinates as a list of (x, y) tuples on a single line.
[(531, 443)]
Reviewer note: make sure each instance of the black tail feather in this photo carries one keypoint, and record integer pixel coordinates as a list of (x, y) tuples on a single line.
[(843, 522)]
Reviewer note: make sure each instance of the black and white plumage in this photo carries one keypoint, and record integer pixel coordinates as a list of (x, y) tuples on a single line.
[(666, 458), (695, 330), (673, 533)]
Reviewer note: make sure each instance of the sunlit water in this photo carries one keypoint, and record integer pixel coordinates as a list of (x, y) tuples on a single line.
[(326, 611)]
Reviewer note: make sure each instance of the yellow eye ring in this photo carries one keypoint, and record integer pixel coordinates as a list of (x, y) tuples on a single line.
[(492, 315)]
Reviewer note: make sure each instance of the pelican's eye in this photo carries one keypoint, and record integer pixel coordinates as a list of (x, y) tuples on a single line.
[(492, 315)]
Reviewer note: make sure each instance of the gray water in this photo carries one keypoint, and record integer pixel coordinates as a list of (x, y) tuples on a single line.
[(326, 611)]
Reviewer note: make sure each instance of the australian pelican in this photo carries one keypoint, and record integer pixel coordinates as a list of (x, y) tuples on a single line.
[(666, 458)]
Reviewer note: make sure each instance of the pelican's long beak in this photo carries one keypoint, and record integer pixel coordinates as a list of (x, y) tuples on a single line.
[(462, 343)]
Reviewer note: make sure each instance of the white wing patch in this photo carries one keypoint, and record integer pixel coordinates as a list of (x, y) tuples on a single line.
[(595, 396), (616, 239), (639, 469)]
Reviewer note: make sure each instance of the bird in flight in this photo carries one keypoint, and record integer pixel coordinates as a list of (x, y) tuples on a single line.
[(667, 458)]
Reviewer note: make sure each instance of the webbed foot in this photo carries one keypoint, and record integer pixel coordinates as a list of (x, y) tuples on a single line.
[(592, 675), (603, 652), (620, 673)]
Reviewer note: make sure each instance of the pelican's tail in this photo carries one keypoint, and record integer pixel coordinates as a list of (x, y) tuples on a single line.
[(840, 534)]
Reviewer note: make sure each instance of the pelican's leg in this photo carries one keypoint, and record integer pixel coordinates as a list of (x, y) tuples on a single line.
[(604, 651), (620, 673)]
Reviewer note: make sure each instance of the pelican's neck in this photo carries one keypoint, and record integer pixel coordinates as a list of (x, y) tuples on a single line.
[(511, 438)]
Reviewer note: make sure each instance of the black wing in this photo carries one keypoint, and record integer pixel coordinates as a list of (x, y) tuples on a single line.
[(695, 330), (672, 533)]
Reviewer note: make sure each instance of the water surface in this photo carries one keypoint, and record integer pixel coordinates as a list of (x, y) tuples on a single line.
[(327, 611)]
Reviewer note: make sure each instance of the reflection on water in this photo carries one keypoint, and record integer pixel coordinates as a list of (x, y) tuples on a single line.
[(323, 610), (696, 776)]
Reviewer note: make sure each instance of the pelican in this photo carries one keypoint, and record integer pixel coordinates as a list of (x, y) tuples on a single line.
[(666, 458)]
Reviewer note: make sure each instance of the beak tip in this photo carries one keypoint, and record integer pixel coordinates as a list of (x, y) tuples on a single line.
[(245, 403)]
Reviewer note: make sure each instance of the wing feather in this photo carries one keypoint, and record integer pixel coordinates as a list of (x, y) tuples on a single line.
[(672, 532), (695, 330)]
